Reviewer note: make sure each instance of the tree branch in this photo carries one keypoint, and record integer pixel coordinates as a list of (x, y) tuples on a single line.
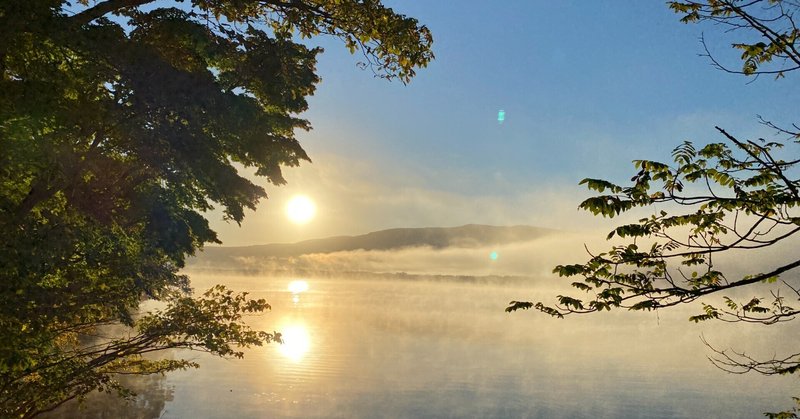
[(101, 9)]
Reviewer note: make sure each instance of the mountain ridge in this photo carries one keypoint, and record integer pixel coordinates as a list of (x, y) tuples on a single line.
[(465, 236)]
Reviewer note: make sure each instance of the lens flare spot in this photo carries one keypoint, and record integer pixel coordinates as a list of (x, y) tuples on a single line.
[(296, 287), (501, 116), (493, 256)]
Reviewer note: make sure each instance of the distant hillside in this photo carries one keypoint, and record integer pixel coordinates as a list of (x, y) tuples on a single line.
[(467, 236)]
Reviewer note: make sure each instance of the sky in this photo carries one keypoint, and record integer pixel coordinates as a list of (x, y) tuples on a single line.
[(586, 88)]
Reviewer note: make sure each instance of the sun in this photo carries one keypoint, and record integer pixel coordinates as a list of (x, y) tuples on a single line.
[(296, 287), (301, 209)]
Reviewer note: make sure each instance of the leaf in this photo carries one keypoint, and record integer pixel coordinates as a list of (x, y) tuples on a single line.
[(517, 305), (730, 303), (600, 185), (581, 286), (644, 305), (684, 154)]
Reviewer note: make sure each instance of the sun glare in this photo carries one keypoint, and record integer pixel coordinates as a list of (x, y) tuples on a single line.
[(296, 342), (301, 209), (296, 287)]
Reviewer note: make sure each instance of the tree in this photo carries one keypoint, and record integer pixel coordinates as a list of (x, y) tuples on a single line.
[(121, 123), (732, 197)]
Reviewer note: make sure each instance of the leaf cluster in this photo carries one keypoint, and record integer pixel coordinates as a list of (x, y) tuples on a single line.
[(741, 196), (772, 47)]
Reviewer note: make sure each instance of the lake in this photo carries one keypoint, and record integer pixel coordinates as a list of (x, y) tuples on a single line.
[(418, 348)]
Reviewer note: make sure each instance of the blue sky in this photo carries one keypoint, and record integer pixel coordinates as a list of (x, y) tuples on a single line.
[(586, 88)]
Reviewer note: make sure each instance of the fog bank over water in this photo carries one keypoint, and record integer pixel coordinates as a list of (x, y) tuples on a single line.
[(446, 349), (422, 332), (472, 251), (381, 348), (481, 250), (526, 267), (533, 258)]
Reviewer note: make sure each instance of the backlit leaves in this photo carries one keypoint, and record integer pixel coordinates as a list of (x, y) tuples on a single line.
[(720, 185)]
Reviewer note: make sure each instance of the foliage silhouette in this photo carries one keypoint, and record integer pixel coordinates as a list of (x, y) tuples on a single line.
[(121, 123), (732, 197)]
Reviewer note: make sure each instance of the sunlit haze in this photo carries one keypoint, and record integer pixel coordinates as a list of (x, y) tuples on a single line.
[(624, 82), (301, 209), (296, 287)]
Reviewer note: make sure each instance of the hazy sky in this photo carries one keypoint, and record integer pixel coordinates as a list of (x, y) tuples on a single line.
[(586, 87)]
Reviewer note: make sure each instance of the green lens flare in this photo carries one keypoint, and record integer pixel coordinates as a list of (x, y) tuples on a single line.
[(501, 116), (493, 256)]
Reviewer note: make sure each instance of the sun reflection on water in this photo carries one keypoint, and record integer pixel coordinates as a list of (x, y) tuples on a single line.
[(296, 287), (296, 342)]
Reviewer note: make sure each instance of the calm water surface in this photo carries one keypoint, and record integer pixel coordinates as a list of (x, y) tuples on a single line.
[(395, 349)]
